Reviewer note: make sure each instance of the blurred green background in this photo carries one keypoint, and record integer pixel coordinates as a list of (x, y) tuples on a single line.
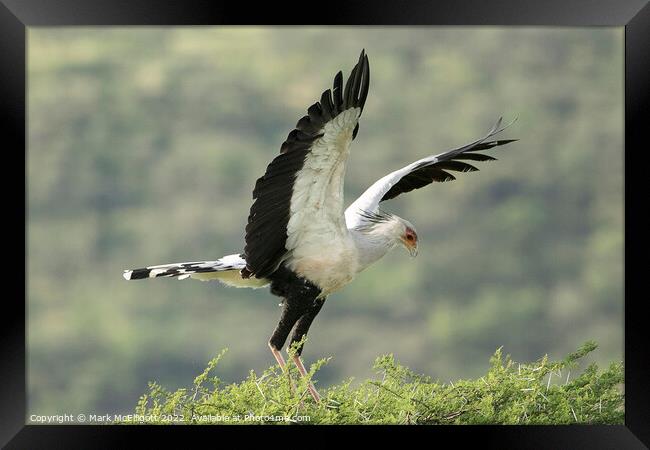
[(145, 143)]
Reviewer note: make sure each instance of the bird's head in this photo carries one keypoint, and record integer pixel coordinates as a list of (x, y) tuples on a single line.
[(388, 231), (408, 237), (402, 232)]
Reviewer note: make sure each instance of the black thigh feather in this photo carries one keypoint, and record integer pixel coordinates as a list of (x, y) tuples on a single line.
[(301, 303)]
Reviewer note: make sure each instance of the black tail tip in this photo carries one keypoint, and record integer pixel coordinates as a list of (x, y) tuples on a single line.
[(137, 274)]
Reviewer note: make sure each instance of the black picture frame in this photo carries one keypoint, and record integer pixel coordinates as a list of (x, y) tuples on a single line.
[(634, 15)]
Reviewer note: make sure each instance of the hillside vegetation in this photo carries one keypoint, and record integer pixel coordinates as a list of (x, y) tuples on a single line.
[(542, 392)]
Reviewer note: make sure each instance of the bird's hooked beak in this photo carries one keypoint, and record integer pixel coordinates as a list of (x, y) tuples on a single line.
[(413, 250)]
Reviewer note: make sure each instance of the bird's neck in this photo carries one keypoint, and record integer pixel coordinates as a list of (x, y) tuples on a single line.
[(371, 246)]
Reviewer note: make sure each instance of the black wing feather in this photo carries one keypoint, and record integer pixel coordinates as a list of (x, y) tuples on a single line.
[(337, 92), (427, 173), (475, 157)]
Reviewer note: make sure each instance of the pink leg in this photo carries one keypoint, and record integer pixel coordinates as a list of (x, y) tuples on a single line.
[(303, 372), (283, 365)]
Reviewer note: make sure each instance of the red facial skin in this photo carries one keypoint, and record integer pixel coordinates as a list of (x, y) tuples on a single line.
[(410, 236)]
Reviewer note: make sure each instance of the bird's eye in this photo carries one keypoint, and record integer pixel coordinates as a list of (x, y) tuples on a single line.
[(409, 237)]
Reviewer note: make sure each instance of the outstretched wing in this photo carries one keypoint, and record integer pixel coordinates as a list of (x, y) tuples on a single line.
[(300, 197), (422, 173)]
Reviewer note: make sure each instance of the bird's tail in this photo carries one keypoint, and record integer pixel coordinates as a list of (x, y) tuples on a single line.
[(226, 269)]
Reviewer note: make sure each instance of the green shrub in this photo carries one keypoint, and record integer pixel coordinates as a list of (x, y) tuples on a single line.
[(542, 392)]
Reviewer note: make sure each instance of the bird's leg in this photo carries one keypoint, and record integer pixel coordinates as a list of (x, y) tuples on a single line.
[(290, 315), (297, 342), (283, 365), (301, 368)]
